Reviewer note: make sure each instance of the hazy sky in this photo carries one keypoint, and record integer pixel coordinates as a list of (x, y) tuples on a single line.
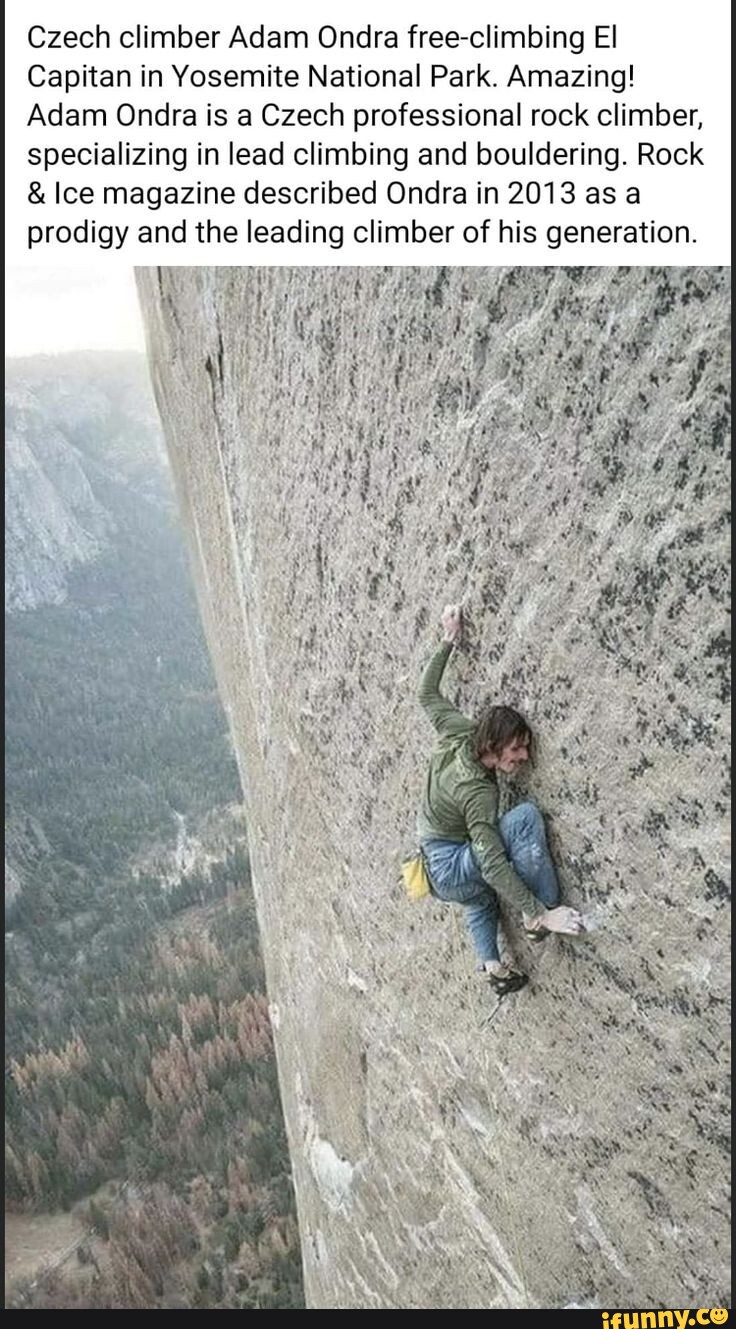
[(49, 310)]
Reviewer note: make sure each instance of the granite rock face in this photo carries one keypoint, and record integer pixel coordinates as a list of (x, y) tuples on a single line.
[(354, 447)]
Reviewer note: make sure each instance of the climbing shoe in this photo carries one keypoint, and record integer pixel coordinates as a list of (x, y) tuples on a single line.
[(535, 935), (503, 984)]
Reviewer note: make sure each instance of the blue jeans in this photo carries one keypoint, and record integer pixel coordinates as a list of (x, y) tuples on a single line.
[(455, 874)]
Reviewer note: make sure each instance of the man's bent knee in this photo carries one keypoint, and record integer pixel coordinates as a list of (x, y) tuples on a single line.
[(529, 812), (524, 817)]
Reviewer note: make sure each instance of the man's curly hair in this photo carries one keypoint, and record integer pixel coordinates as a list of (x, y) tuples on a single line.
[(495, 728)]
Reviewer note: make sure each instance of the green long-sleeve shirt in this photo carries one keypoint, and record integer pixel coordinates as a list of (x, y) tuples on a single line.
[(461, 795)]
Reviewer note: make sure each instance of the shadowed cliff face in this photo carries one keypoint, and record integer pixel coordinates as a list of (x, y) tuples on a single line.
[(353, 448)]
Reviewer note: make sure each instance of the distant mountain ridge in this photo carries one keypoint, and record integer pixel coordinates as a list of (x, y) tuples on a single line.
[(112, 717), (72, 423)]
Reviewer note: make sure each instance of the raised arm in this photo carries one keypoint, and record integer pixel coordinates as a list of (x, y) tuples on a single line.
[(445, 717)]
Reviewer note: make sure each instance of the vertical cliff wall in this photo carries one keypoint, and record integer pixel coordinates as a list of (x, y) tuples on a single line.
[(353, 448)]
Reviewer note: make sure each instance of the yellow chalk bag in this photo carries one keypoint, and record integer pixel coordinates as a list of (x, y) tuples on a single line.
[(414, 875)]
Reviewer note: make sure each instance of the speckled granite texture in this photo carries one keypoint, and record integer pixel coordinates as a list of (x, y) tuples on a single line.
[(354, 447)]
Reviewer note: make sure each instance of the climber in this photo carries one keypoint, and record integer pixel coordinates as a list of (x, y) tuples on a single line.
[(466, 848)]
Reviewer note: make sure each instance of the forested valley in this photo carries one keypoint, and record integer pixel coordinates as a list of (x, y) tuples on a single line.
[(143, 1121)]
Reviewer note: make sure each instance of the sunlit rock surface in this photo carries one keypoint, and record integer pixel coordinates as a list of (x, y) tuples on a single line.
[(353, 448)]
